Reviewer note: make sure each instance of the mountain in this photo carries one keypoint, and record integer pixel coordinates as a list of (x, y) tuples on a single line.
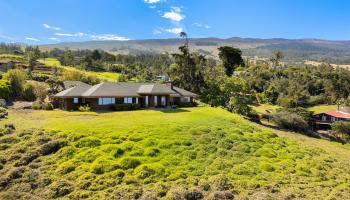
[(295, 50)]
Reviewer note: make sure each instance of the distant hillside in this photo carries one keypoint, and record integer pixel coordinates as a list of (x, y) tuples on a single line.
[(295, 50)]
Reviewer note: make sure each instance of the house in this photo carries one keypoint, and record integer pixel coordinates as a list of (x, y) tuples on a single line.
[(324, 120), (103, 96)]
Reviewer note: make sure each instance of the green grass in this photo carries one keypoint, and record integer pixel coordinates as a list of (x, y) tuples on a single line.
[(265, 108), (322, 108), (108, 76), (164, 154)]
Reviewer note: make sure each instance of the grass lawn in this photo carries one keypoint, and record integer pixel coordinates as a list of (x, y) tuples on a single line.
[(323, 108), (165, 154), (109, 76)]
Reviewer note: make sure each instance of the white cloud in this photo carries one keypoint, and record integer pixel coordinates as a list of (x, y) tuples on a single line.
[(153, 7), (152, 1), (32, 39), (54, 39), (108, 37), (6, 37), (79, 34), (157, 32), (51, 27), (94, 36), (174, 14), (176, 31), (201, 25)]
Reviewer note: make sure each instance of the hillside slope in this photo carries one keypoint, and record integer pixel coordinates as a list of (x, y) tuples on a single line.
[(198, 152), (296, 50)]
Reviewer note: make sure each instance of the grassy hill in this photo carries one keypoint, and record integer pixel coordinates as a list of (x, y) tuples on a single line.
[(184, 153)]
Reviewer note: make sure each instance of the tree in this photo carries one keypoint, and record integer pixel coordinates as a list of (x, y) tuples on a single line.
[(231, 58), (187, 71), (40, 91), (341, 130), (17, 79), (33, 55), (96, 55), (277, 56)]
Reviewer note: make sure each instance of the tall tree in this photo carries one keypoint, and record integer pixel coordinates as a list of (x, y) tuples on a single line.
[(187, 72), (276, 58), (231, 58)]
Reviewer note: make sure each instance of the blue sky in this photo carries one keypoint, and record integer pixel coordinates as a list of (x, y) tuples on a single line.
[(52, 21)]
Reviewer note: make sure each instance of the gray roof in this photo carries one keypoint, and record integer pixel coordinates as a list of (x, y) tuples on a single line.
[(70, 84), (74, 91), (121, 89)]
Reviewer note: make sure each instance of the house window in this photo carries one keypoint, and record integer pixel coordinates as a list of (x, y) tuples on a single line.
[(128, 100), (106, 101), (186, 99), (146, 101), (75, 100), (324, 118), (163, 100), (155, 101), (333, 119)]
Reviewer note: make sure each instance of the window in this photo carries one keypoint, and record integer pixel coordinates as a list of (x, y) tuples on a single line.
[(186, 99), (75, 100), (324, 118), (128, 100), (333, 119), (163, 100), (155, 100), (146, 101), (106, 101)]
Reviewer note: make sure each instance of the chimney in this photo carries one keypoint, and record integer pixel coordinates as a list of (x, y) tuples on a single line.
[(169, 83)]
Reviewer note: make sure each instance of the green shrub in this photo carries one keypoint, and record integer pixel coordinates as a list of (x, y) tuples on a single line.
[(152, 152), (47, 106), (266, 152), (3, 112), (186, 104), (28, 92), (291, 121), (37, 105), (85, 108), (266, 166), (126, 107), (17, 80), (129, 163), (5, 89)]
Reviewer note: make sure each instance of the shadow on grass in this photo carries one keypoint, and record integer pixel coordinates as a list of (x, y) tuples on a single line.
[(177, 110)]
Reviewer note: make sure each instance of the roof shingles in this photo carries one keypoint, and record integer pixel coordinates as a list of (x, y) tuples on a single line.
[(122, 90)]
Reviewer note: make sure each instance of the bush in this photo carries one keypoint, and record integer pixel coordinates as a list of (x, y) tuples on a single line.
[(187, 104), (42, 106), (239, 105), (17, 80), (37, 105), (286, 102), (291, 121), (3, 112), (47, 106), (85, 108), (28, 93), (5, 89), (126, 107)]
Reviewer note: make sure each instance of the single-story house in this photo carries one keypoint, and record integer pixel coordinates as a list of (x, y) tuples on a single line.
[(103, 96), (324, 120)]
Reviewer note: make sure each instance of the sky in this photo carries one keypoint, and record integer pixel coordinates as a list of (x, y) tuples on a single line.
[(54, 21)]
